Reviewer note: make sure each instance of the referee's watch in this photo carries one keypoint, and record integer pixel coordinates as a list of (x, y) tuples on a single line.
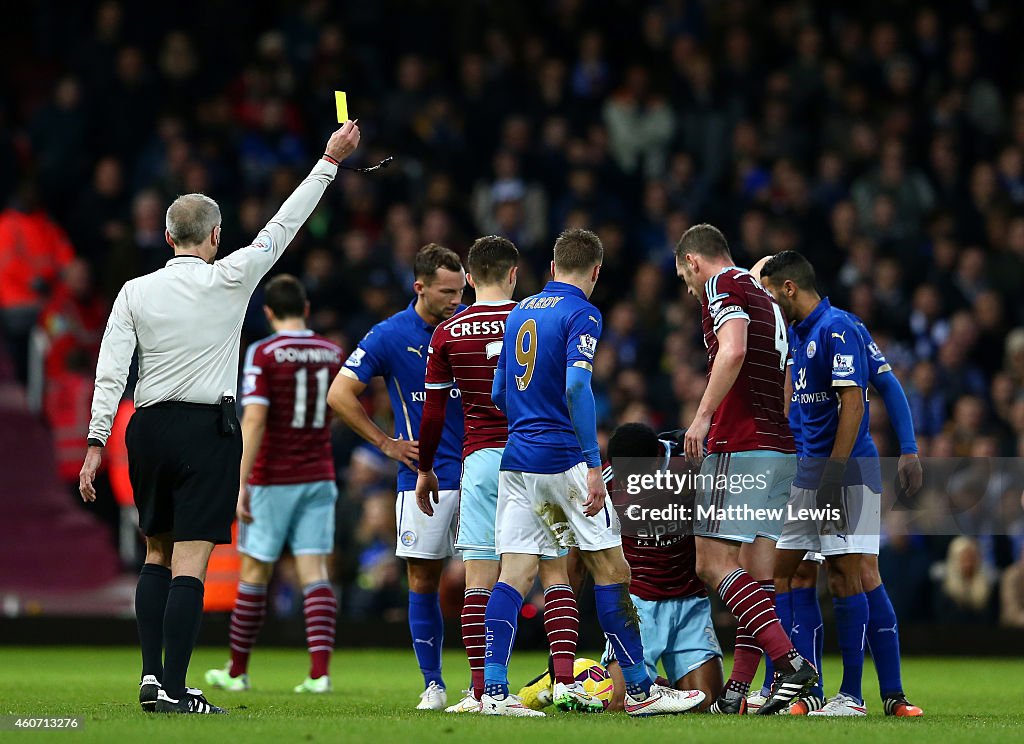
[(93, 442)]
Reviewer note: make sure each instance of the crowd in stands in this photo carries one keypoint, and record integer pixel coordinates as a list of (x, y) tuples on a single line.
[(883, 140)]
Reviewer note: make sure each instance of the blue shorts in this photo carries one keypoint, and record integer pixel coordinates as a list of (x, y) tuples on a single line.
[(678, 633), (299, 515), (478, 506), (758, 479)]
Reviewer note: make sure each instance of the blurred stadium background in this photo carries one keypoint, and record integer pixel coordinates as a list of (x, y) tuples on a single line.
[(884, 139)]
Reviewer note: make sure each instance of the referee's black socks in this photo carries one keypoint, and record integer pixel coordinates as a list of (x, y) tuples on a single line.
[(150, 604), (181, 628)]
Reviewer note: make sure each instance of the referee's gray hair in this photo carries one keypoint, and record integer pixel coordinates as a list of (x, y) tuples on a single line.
[(191, 217)]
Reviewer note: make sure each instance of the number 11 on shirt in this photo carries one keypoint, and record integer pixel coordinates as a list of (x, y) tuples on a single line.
[(320, 412)]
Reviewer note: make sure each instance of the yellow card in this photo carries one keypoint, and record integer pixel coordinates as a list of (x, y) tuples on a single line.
[(341, 101)]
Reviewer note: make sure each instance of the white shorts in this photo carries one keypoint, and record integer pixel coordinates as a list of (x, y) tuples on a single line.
[(420, 536), (542, 514), (864, 508)]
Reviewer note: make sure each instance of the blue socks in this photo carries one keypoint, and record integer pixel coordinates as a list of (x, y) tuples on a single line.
[(805, 626), (852, 622), (427, 628), (808, 631), (621, 626), (884, 641), (500, 622)]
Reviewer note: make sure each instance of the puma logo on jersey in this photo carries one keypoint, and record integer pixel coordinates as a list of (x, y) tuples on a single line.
[(418, 351), (840, 336), (591, 317)]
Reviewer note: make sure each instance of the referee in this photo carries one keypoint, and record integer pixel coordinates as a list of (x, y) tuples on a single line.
[(184, 444)]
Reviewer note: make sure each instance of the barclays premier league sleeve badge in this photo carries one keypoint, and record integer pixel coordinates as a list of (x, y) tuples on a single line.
[(587, 346), (842, 365)]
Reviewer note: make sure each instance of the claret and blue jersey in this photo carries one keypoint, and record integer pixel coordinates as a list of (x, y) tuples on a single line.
[(396, 349), (831, 348), (545, 334)]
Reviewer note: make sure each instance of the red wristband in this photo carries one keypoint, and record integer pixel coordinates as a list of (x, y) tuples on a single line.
[(329, 159)]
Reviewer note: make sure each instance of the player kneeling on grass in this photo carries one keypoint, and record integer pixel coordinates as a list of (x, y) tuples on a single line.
[(550, 489), (671, 600), (288, 489)]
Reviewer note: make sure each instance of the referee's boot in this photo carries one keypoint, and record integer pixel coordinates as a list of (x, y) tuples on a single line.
[(193, 701)]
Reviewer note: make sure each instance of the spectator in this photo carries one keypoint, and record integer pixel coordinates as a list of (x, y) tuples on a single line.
[(640, 125), (73, 320), (910, 192), (67, 409), (965, 592), (59, 133), (378, 591), (524, 223), (590, 75), (99, 219), (927, 403), (904, 564), (1011, 595), (33, 252)]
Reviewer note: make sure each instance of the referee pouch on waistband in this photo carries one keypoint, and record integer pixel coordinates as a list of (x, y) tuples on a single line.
[(228, 419)]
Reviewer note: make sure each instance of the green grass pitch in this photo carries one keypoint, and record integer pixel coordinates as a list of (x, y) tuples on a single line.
[(965, 700)]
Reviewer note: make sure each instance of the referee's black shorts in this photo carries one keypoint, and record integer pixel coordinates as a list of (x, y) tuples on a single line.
[(184, 471)]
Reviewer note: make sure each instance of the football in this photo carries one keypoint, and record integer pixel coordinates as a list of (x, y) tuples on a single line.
[(594, 678)]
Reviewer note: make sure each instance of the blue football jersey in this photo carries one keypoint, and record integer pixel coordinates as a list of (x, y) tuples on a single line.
[(545, 334), (877, 366), (396, 349), (828, 352)]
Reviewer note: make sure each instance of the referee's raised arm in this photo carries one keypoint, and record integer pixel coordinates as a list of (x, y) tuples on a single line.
[(184, 322), (249, 264)]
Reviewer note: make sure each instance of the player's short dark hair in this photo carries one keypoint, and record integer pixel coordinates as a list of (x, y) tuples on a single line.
[(792, 266), (432, 257), (285, 296), (703, 240), (577, 250), (634, 440), (491, 258)]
